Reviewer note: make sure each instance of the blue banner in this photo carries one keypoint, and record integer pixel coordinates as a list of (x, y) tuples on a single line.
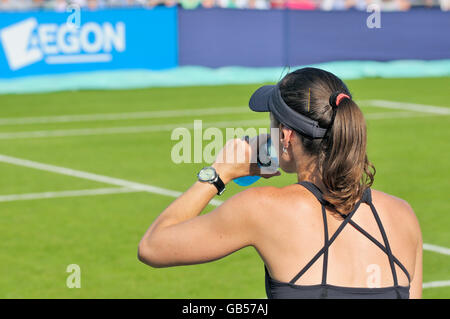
[(252, 38), (35, 43), (231, 37), (318, 36)]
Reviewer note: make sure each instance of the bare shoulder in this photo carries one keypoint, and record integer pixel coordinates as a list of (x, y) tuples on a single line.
[(397, 210), (274, 202), (257, 197), (267, 196), (268, 211), (396, 203)]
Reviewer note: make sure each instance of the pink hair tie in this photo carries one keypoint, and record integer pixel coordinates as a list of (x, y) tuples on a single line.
[(340, 97)]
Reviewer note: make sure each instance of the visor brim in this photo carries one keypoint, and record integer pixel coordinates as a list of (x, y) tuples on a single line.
[(259, 101)]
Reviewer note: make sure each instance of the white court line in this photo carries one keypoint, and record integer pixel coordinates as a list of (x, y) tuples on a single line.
[(170, 127), (435, 284), (198, 111), (437, 249), (73, 193), (395, 115), (407, 106), (122, 116), (95, 177), (126, 129)]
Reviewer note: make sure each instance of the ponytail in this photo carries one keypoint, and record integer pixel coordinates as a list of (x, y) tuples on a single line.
[(345, 168)]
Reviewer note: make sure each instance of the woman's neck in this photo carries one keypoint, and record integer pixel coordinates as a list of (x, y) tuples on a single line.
[(307, 170)]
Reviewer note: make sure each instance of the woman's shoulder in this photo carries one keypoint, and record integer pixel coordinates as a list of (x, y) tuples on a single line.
[(397, 210), (391, 202), (275, 195), (266, 206), (272, 199)]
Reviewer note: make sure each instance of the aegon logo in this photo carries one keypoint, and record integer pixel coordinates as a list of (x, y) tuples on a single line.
[(28, 42)]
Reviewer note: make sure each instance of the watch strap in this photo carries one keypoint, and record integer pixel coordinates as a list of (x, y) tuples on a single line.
[(219, 185)]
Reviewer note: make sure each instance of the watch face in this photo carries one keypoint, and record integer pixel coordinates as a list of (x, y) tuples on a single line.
[(207, 174)]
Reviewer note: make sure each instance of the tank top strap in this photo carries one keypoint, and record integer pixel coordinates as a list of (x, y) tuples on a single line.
[(326, 244), (386, 242), (314, 190), (377, 243), (318, 194), (324, 249), (367, 196)]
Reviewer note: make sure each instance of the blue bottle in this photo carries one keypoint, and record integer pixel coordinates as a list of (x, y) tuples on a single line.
[(249, 180), (246, 180)]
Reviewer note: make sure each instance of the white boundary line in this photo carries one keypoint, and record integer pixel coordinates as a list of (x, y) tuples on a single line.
[(122, 116), (407, 106), (126, 129), (437, 249), (72, 193), (198, 111), (395, 115), (170, 127), (436, 284), (95, 177)]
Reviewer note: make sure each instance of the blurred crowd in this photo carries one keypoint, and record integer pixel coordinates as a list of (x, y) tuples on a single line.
[(63, 5)]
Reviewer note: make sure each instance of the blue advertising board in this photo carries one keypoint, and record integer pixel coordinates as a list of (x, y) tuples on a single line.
[(221, 37), (40, 42), (318, 36), (35, 43)]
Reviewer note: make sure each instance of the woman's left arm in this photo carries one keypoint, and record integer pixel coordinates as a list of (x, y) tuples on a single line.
[(179, 236)]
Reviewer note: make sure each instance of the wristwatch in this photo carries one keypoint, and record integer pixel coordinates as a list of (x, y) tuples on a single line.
[(209, 175)]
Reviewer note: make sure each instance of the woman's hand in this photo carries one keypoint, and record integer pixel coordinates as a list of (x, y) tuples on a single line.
[(239, 158)]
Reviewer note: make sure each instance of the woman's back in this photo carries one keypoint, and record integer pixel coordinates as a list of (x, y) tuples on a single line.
[(295, 235)]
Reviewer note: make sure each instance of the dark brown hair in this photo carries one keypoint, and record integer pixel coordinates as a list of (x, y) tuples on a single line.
[(341, 155)]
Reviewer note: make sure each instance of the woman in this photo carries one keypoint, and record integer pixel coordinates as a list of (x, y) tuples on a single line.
[(329, 235)]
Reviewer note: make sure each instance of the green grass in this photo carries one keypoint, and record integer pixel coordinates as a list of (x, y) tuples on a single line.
[(39, 238)]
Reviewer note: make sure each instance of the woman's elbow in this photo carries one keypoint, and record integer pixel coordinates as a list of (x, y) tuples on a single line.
[(148, 255)]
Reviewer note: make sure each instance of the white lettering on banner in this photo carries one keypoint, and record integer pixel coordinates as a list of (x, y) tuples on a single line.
[(16, 41), (47, 38), (67, 39), (28, 42), (96, 45)]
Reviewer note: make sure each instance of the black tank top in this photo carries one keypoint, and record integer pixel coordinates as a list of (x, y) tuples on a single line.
[(289, 290)]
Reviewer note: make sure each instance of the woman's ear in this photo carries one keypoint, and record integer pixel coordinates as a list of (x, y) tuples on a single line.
[(281, 131), (285, 134)]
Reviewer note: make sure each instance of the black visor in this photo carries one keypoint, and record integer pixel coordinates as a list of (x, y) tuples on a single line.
[(268, 99)]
